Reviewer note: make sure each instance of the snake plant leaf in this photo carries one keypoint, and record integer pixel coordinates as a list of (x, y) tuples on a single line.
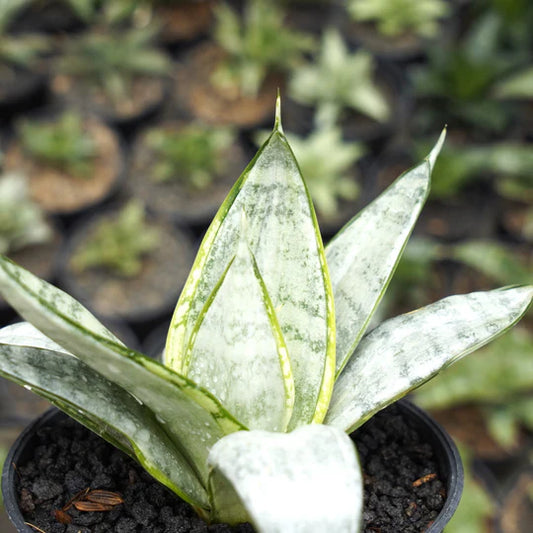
[(284, 238), (193, 417), (305, 481), (34, 361), (237, 350), (362, 257), (406, 351)]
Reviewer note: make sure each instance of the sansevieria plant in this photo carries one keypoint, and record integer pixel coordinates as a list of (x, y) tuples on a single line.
[(267, 365)]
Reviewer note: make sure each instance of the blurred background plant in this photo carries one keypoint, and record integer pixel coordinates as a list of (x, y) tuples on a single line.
[(257, 44), (118, 245), (397, 17), (192, 155), (337, 80), (61, 143), (22, 222)]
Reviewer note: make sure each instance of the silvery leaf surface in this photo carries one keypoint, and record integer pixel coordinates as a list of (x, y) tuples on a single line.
[(362, 257), (306, 481), (237, 351), (193, 417), (32, 360), (406, 351), (284, 238)]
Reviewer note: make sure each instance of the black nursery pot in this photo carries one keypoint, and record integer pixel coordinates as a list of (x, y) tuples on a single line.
[(445, 451)]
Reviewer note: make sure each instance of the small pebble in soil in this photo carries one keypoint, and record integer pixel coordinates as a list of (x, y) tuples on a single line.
[(70, 459)]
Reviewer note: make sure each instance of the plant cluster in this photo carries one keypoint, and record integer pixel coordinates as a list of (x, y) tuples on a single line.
[(267, 363), (22, 222), (192, 155), (256, 45), (63, 143), (118, 245)]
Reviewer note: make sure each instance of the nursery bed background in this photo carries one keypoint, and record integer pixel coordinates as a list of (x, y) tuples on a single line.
[(124, 123)]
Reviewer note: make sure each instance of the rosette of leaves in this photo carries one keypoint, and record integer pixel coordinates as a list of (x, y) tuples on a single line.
[(263, 374), (118, 245), (394, 18), (22, 222), (61, 143), (339, 80), (111, 59), (257, 44), (192, 155)]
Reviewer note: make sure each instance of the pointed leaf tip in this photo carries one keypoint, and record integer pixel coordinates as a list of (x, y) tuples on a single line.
[(432, 156), (277, 122)]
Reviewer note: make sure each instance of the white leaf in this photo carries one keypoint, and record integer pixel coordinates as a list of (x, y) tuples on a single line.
[(406, 351), (307, 481)]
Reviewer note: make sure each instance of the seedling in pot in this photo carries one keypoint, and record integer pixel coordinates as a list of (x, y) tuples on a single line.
[(257, 45), (110, 61), (394, 18), (22, 222), (61, 143), (339, 80), (192, 155), (119, 245), (262, 375)]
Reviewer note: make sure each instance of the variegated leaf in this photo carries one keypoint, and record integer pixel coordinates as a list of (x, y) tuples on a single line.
[(286, 243), (192, 416), (31, 359), (237, 350), (306, 481), (363, 256), (406, 351)]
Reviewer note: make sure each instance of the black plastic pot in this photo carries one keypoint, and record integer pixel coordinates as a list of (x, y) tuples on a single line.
[(451, 469)]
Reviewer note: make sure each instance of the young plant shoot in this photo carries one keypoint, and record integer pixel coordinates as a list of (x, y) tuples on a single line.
[(258, 309)]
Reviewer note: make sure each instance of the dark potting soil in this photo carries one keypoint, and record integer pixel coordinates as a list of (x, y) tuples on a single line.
[(70, 459)]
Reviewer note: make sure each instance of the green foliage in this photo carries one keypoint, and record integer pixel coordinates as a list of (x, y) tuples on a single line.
[(192, 155), (21, 221), (119, 245), (338, 79), (329, 179), (398, 17), (267, 363), (62, 143), (112, 59), (510, 164), (464, 76), (256, 45)]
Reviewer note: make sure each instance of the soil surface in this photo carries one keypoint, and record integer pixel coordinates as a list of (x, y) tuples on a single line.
[(70, 459)]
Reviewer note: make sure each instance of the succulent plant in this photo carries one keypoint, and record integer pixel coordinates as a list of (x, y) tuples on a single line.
[(398, 17), (191, 155), (61, 143), (263, 374), (118, 245), (256, 45), (339, 80), (111, 59), (21, 220)]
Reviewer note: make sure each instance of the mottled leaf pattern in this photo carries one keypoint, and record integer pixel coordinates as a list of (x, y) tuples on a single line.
[(29, 358), (363, 255), (194, 417), (284, 238), (406, 351), (237, 351), (307, 481)]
